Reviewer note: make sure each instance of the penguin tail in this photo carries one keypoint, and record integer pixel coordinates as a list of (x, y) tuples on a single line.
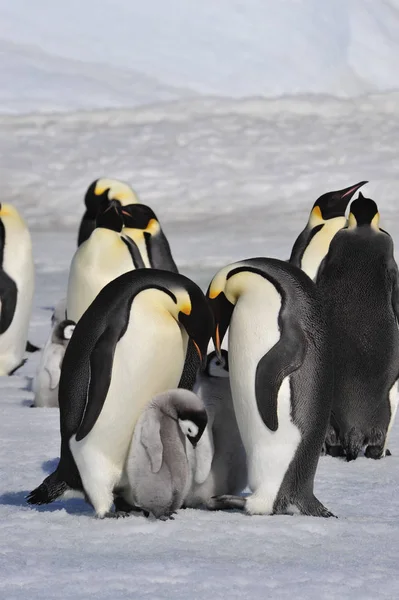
[(48, 491), (353, 443)]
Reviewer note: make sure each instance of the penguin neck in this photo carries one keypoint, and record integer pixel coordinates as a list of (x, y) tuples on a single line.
[(318, 246), (102, 244), (137, 235)]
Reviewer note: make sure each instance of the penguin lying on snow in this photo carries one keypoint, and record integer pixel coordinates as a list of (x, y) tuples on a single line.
[(326, 218), (98, 191), (129, 345), (219, 461), (360, 286), (47, 378), (157, 467), (281, 379)]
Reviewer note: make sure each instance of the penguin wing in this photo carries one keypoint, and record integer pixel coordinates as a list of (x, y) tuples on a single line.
[(191, 367), (54, 356), (101, 360), (134, 251), (8, 298), (285, 357), (298, 248), (150, 438), (159, 252)]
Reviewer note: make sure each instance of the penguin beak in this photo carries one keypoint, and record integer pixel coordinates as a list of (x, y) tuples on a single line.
[(222, 311), (198, 349)]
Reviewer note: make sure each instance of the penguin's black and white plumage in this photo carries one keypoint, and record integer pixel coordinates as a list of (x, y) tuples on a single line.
[(45, 385), (158, 469), (97, 192), (281, 379), (360, 287), (142, 226), (17, 279), (326, 218), (102, 257), (219, 464), (128, 346)]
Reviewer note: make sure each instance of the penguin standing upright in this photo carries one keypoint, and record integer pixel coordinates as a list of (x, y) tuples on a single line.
[(143, 227), (326, 218), (281, 379), (360, 286), (97, 192), (219, 462), (129, 345), (101, 258), (16, 288), (157, 468)]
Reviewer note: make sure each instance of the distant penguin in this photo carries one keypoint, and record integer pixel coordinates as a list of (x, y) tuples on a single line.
[(142, 226), (157, 468), (98, 191), (219, 461), (16, 288), (47, 378), (281, 380), (101, 258), (360, 286), (128, 346), (326, 218)]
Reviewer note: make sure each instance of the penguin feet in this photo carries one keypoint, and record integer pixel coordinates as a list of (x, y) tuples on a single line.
[(375, 452), (226, 502), (124, 509), (314, 508), (168, 516)]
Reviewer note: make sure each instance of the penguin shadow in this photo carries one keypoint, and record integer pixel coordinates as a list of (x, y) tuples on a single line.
[(72, 506)]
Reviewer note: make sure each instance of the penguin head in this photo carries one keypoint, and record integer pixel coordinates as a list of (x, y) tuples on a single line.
[(109, 215), (9, 211), (333, 204), (64, 330), (192, 423), (140, 216), (364, 212), (186, 408), (108, 189), (217, 366)]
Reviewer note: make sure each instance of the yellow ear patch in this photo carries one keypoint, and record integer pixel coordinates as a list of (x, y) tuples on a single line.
[(316, 217), (352, 223), (185, 308), (152, 227), (375, 223), (214, 292)]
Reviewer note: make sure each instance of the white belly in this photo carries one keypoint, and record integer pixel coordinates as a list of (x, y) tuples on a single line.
[(393, 401), (319, 245), (253, 332)]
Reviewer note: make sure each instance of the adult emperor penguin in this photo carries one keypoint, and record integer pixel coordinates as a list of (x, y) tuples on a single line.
[(97, 192), (16, 288), (158, 469), (281, 379), (360, 286), (45, 385), (101, 258), (128, 346), (219, 461), (142, 226), (326, 218)]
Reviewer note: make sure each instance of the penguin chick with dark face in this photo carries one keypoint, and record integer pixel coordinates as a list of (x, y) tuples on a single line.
[(98, 191), (219, 461), (142, 226), (359, 283), (157, 468), (45, 385), (326, 218)]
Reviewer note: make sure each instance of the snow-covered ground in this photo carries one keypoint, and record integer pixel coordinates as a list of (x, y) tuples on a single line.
[(229, 179)]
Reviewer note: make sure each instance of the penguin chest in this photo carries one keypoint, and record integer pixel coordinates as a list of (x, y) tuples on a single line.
[(318, 246)]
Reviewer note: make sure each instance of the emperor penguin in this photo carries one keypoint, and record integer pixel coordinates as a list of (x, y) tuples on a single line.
[(359, 283), (219, 464), (45, 385), (129, 345), (97, 192), (143, 227), (16, 288), (101, 258), (281, 380), (327, 217), (158, 469)]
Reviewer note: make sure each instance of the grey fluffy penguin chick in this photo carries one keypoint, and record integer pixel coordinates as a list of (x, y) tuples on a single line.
[(219, 464), (157, 468)]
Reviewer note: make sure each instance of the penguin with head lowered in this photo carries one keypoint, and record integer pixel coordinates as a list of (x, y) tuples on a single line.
[(219, 461), (129, 345), (158, 469), (326, 218), (281, 380), (142, 226), (360, 286), (102, 257), (97, 192), (16, 288)]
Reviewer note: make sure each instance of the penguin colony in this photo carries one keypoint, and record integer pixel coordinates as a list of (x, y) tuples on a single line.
[(150, 423)]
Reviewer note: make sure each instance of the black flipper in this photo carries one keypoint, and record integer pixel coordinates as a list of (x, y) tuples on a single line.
[(31, 347), (226, 502), (101, 360), (159, 252), (284, 358), (134, 252), (48, 491), (191, 367), (8, 297)]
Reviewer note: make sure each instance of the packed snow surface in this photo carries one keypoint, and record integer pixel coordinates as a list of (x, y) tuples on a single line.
[(228, 179)]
